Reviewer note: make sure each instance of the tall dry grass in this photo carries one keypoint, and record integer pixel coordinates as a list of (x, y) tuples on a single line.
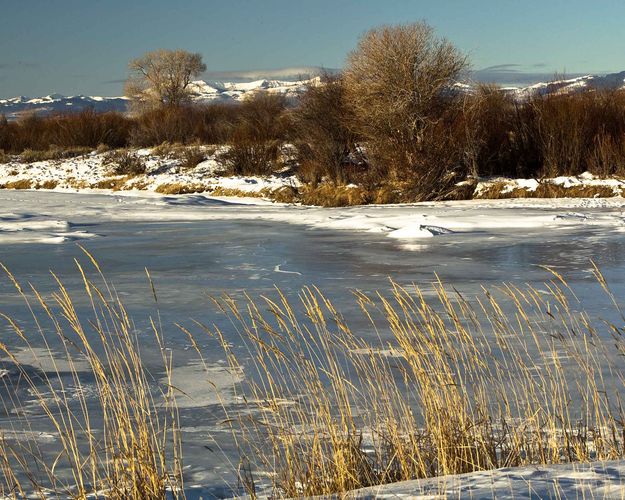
[(428, 383), (516, 376), (122, 442)]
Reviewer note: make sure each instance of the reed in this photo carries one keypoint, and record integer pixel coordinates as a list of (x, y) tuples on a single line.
[(427, 383), (118, 443), (516, 376)]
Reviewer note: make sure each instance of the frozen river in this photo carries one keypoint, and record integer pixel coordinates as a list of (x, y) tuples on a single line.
[(195, 246)]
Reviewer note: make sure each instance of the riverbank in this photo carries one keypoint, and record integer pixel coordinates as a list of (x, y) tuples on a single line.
[(198, 170)]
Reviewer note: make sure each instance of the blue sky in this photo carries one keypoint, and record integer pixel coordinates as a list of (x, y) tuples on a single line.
[(83, 46)]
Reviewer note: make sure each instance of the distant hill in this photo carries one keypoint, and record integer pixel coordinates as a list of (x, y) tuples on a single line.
[(56, 103), (201, 92), (207, 91), (572, 85)]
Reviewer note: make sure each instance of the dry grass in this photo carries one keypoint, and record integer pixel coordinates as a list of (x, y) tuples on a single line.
[(75, 183), (116, 184), (330, 195), (545, 189), (49, 184), (124, 444), (223, 191), (285, 194), (514, 377), (140, 184), (442, 384), (180, 188), (19, 184)]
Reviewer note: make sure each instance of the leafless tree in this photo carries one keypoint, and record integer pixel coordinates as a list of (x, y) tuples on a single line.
[(162, 77), (325, 141), (399, 81)]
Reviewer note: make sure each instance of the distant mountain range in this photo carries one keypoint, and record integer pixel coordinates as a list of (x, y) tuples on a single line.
[(203, 92), (572, 85)]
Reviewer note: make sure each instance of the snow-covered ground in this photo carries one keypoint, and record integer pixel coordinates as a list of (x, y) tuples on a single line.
[(569, 481), (93, 171), (505, 187), (166, 175), (408, 224)]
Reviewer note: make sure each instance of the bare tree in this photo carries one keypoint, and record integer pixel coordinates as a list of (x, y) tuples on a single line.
[(162, 77), (325, 142), (399, 81)]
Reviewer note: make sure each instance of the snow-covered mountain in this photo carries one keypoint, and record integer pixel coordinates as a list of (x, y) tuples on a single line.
[(571, 85), (56, 103), (204, 92), (201, 92)]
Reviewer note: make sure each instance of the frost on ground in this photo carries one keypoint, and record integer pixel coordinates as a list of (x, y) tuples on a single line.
[(595, 480)]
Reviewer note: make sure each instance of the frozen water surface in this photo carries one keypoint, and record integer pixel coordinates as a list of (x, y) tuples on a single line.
[(195, 246)]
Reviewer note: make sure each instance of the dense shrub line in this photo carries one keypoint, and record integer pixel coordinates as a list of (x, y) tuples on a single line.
[(482, 133)]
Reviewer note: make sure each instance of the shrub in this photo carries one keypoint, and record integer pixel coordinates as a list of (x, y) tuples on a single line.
[(580, 131), (326, 145), (549, 135), (191, 157), (124, 162), (399, 82), (256, 136), (89, 129), (187, 124), (161, 125), (86, 129), (188, 156), (246, 156), (5, 134)]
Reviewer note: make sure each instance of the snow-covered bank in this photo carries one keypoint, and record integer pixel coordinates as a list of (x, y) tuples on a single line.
[(167, 173), (499, 204), (54, 217), (578, 186), (162, 174), (596, 480)]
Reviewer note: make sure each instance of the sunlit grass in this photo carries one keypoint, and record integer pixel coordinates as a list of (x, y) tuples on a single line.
[(517, 376), (429, 383), (124, 445)]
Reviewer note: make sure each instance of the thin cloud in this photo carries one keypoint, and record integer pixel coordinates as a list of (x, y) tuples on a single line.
[(502, 67), (19, 65)]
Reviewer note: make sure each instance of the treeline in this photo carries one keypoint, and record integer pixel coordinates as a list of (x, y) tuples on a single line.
[(396, 117)]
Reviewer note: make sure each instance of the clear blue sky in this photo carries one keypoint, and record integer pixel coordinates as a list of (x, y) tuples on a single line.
[(83, 46)]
